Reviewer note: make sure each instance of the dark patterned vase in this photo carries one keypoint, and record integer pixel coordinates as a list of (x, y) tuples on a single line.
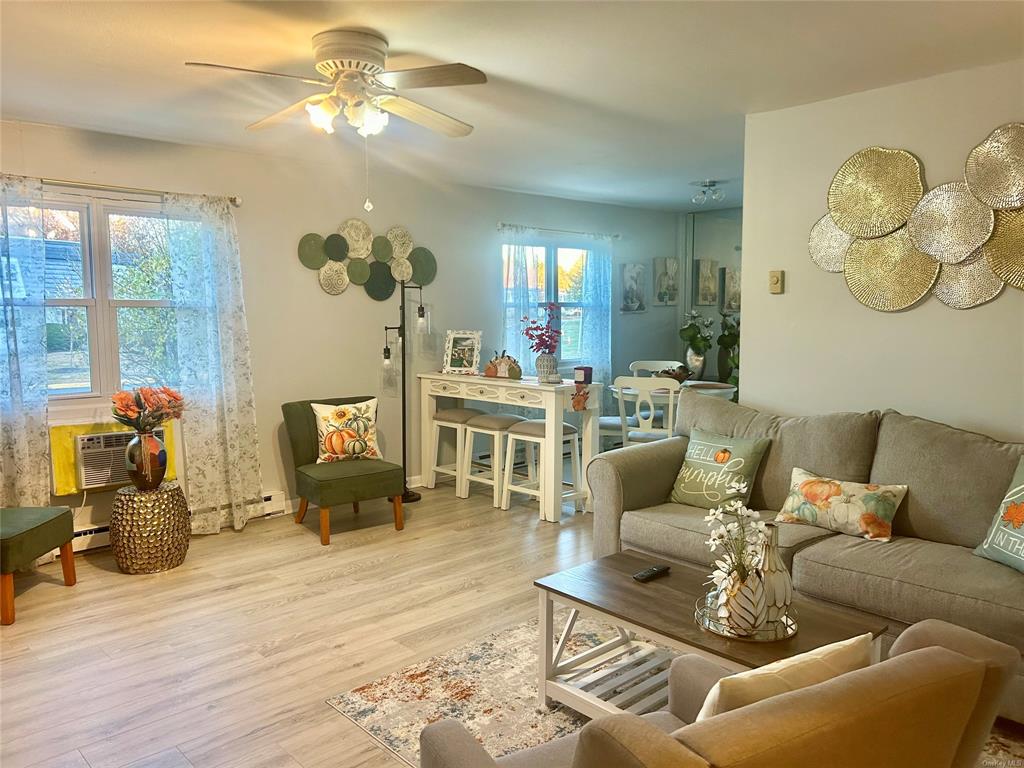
[(145, 458)]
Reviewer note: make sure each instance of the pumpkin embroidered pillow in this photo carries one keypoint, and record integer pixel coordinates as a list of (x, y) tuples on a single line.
[(855, 508), (1005, 540), (713, 463), (346, 431)]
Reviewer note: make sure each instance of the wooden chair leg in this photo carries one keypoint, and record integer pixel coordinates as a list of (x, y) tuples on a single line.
[(396, 501), (6, 598), (303, 504), (67, 564), (325, 525), (355, 507)]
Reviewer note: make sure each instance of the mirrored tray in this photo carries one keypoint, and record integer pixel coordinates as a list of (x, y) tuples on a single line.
[(783, 629)]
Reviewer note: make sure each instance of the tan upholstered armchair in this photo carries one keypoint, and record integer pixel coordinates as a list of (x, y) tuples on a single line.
[(932, 703)]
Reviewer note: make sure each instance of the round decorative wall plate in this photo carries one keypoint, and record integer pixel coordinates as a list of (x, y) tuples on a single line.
[(995, 168), (888, 273), (874, 192), (828, 243), (401, 242), (333, 277), (382, 249), (359, 236), (311, 251), (967, 284), (401, 270), (950, 223), (424, 266), (358, 271), (1005, 249), (380, 285), (336, 247)]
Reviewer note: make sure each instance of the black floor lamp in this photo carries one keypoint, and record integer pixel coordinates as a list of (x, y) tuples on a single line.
[(422, 327)]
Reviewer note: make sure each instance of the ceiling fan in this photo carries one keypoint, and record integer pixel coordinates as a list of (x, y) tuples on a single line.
[(351, 63)]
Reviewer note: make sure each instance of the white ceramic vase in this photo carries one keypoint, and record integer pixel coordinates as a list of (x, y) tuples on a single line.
[(742, 605), (778, 585)]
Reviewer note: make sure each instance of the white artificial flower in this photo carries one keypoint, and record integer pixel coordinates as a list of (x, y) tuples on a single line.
[(761, 527), (732, 527)]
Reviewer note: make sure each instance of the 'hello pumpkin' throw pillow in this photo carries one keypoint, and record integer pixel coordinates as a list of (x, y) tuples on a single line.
[(1005, 540), (858, 509), (346, 431), (713, 463)]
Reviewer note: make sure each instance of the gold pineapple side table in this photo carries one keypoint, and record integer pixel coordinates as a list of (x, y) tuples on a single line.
[(149, 530)]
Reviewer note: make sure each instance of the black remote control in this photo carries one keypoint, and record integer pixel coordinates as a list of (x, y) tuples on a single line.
[(651, 573)]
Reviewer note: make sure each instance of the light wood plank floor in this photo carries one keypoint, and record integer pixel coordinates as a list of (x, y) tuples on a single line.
[(226, 661)]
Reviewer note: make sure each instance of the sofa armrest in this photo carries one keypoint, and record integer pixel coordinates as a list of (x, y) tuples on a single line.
[(628, 741), (690, 679), (447, 744), (634, 477), (1000, 660)]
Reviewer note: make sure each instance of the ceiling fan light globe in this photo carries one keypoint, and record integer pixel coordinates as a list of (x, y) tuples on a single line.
[(699, 198), (718, 195), (322, 113), (374, 121)]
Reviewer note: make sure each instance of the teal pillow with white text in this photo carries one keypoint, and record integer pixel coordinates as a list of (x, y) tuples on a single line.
[(712, 463), (1005, 540)]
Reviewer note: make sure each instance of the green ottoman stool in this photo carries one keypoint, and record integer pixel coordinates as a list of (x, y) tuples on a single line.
[(25, 534)]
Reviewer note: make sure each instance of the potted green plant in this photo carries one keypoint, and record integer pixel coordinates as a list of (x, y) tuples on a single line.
[(728, 348), (697, 334)]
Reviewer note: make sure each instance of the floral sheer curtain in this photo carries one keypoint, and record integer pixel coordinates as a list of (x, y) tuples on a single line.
[(214, 366), (24, 443)]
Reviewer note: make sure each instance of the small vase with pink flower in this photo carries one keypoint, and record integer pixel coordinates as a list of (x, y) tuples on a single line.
[(144, 409)]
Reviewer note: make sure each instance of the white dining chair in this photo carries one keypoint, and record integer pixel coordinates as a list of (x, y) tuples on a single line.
[(639, 393)]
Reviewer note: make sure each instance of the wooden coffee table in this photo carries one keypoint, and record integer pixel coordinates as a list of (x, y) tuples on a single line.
[(625, 674)]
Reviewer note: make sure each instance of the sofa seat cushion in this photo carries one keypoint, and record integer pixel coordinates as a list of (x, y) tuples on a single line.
[(957, 479), (341, 482), (678, 531), (831, 445), (911, 579)]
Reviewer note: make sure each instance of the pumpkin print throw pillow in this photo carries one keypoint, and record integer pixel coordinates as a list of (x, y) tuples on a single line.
[(347, 431), (855, 508), (714, 466), (1005, 540)]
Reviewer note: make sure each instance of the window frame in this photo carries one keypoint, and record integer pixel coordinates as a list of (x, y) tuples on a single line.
[(101, 307)]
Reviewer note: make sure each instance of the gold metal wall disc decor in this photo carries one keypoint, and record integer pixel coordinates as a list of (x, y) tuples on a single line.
[(359, 236), (995, 168), (874, 192), (334, 277), (1005, 249), (828, 243), (401, 242), (968, 284), (888, 273), (949, 224)]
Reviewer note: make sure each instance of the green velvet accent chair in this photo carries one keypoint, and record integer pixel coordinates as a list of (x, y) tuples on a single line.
[(339, 482), (27, 533)]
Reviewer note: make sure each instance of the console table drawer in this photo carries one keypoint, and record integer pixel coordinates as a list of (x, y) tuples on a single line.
[(449, 388), (483, 392), (524, 397)]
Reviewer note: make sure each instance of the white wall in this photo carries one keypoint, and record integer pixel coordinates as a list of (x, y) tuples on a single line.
[(815, 348), (306, 343)]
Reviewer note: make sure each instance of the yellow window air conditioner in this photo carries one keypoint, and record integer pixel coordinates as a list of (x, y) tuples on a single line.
[(89, 456)]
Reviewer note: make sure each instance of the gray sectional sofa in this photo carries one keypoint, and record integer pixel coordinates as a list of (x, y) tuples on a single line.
[(956, 482)]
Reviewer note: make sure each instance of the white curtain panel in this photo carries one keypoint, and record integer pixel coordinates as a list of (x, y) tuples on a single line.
[(24, 443), (214, 366)]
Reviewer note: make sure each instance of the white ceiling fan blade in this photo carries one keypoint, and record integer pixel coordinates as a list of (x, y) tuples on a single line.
[(310, 80), (425, 116), (431, 77), (287, 112)]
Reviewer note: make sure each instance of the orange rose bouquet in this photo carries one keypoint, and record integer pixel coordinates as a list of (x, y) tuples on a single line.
[(146, 408)]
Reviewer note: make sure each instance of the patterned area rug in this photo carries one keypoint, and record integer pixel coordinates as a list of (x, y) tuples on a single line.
[(490, 686)]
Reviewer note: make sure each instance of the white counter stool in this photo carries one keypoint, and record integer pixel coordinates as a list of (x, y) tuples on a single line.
[(494, 426), (532, 435), (450, 418)]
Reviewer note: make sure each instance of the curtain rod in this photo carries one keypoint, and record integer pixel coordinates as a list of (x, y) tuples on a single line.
[(614, 236), (233, 199)]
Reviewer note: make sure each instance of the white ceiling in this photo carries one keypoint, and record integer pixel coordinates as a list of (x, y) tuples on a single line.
[(621, 102)]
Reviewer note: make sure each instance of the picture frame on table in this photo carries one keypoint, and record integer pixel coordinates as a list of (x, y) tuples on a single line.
[(462, 352)]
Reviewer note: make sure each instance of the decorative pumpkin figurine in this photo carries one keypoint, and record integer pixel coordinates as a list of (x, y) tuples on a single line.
[(491, 370), (723, 455), (503, 366)]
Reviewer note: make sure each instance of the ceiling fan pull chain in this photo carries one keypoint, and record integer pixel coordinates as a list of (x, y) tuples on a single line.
[(367, 206)]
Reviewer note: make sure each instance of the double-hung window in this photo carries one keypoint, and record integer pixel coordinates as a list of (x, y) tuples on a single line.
[(108, 276), (555, 275)]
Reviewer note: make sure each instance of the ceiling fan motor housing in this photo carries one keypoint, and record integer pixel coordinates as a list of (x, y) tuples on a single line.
[(342, 50)]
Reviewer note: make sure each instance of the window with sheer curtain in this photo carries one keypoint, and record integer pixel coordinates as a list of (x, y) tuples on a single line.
[(573, 272)]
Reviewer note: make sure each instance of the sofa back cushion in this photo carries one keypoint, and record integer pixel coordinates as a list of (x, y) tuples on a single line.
[(833, 445), (957, 479)]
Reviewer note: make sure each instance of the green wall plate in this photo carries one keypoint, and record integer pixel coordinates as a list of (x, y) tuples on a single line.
[(424, 266), (380, 284), (358, 271), (311, 251), (336, 247), (382, 249)]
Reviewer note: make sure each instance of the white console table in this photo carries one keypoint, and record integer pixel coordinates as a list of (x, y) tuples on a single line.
[(553, 399)]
